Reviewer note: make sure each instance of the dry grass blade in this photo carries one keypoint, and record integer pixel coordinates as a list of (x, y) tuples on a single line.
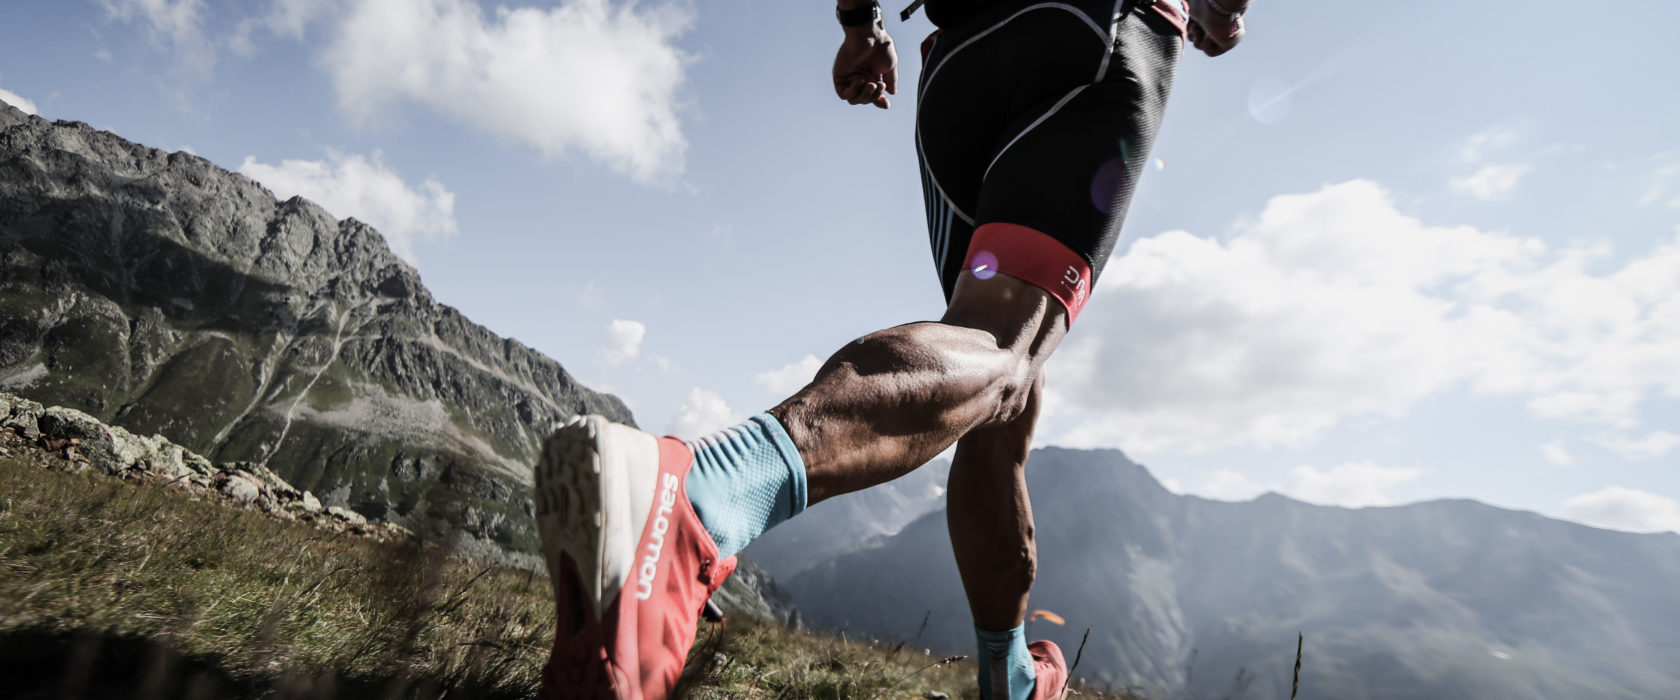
[(1080, 654), (1300, 639), (941, 663)]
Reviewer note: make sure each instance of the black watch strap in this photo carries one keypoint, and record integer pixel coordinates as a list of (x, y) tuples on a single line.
[(857, 17)]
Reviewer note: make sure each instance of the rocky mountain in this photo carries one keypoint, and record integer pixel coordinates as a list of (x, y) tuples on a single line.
[(1188, 597), (158, 292)]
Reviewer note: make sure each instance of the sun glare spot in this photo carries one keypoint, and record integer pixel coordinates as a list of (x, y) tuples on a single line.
[(984, 265)]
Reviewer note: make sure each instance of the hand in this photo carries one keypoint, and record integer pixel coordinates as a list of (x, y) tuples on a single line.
[(1215, 32), (866, 68)]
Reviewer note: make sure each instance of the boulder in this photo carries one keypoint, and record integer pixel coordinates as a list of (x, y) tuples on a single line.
[(306, 503), (97, 442), (347, 515), (23, 416), (241, 487)]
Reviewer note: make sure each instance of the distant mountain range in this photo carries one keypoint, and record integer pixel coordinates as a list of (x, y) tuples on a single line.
[(161, 293), (1188, 597), (854, 521)]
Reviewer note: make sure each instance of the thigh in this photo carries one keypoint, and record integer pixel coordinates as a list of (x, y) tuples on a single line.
[(980, 79), (1033, 124), (1068, 171)]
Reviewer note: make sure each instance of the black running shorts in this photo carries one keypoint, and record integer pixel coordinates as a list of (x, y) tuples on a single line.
[(1033, 124)]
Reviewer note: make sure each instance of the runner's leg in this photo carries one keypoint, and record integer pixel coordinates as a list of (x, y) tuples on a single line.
[(892, 400), (991, 525), (990, 518)]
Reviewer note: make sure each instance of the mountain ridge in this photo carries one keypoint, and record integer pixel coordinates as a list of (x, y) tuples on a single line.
[(134, 278), (164, 294), (1447, 599)]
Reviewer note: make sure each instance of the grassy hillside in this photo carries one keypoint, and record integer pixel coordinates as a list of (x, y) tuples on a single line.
[(115, 590)]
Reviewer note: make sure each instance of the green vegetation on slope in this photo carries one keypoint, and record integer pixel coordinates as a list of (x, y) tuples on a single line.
[(92, 566), (109, 589)]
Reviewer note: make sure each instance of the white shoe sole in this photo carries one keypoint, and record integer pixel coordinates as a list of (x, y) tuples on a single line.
[(593, 488)]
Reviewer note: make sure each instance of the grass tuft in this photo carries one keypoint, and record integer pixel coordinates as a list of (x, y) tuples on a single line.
[(128, 578)]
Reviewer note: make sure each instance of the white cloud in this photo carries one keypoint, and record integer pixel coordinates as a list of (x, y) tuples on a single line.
[(787, 380), (288, 19), (350, 185), (1479, 145), (624, 341), (703, 413), (1228, 485), (1354, 485), (1554, 454), (587, 76), (664, 364), (1334, 304), (1618, 508), (175, 24), (722, 235), (18, 101), (1491, 182), (1653, 445), (1662, 181), (589, 296)]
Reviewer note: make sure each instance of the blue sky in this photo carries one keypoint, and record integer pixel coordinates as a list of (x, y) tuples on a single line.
[(1385, 254)]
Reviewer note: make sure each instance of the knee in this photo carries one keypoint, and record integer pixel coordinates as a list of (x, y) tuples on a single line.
[(1018, 402)]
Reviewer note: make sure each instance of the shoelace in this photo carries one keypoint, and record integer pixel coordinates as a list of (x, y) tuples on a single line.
[(713, 635)]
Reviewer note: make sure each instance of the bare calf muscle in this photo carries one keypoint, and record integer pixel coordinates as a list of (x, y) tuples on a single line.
[(894, 399)]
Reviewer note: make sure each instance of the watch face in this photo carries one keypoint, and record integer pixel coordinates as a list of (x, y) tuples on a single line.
[(859, 16)]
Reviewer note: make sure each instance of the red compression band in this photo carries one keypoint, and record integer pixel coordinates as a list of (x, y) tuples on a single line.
[(1034, 257)]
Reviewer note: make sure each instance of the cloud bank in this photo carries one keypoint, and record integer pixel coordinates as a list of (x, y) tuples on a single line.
[(1356, 485), (18, 101), (1334, 304), (587, 76), (1618, 508)]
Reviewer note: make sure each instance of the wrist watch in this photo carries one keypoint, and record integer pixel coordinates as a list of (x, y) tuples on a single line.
[(860, 16), (1233, 16)]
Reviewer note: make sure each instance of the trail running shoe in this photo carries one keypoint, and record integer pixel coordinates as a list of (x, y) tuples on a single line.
[(1051, 668), (632, 566)]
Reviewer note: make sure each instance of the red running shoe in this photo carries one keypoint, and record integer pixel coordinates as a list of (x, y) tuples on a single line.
[(631, 564), (1051, 668)]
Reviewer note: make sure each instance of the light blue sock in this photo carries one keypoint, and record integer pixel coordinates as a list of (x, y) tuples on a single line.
[(1004, 661), (746, 479)]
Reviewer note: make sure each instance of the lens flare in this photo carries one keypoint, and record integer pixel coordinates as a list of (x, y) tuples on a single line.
[(984, 265), (1046, 615), (1111, 185), (1160, 164)]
